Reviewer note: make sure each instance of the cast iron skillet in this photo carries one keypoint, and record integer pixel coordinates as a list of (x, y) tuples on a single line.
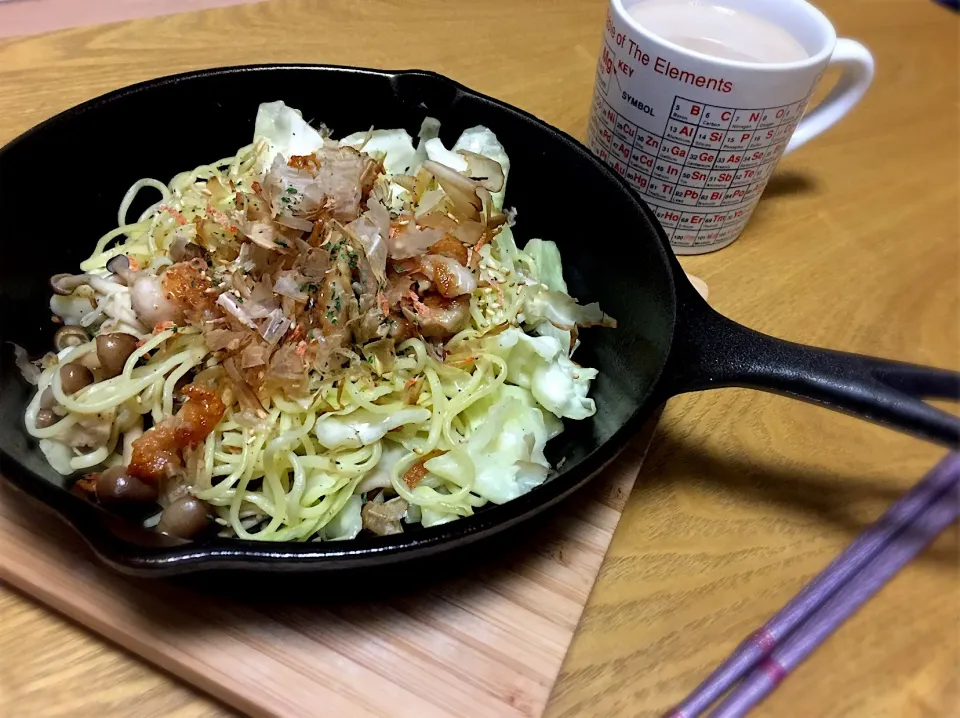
[(668, 342)]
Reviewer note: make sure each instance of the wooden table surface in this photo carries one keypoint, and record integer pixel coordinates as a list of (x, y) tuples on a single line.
[(744, 496)]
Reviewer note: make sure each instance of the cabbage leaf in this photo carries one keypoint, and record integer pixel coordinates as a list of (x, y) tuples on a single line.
[(504, 453), (393, 147), (541, 365), (285, 131)]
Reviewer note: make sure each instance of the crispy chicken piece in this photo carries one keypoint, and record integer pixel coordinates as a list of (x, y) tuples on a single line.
[(186, 285), (157, 454), (452, 247), (438, 317)]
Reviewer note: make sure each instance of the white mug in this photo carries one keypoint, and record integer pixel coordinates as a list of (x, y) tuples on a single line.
[(698, 136)]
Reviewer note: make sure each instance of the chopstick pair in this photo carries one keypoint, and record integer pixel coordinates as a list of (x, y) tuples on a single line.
[(773, 651)]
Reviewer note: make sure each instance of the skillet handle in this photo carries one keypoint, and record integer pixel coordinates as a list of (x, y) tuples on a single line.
[(710, 351)]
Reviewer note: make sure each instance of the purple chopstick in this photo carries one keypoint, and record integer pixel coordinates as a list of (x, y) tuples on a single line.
[(844, 603), (758, 645)]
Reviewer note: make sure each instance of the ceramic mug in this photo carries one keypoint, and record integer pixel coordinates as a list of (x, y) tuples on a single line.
[(698, 136)]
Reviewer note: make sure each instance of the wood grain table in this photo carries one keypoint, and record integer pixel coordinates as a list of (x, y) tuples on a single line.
[(744, 496)]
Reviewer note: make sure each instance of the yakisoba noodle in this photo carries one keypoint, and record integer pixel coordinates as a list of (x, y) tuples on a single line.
[(316, 338)]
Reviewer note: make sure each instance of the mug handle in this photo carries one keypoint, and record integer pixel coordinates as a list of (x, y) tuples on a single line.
[(856, 65)]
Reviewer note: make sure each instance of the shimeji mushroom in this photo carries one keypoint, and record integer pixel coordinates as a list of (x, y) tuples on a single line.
[(70, 336), (113, 350), (116, 486), (67, 284), (185, 517), (73, 377), (45, 418), (120, 266)]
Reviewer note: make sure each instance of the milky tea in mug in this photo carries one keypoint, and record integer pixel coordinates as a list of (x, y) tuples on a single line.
[(695, 102), (718, 30)]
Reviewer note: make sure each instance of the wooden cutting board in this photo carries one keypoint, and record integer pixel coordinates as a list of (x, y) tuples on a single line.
[(488, 643)]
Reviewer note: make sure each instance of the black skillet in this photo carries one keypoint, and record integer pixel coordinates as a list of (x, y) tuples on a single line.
[(61, 183)]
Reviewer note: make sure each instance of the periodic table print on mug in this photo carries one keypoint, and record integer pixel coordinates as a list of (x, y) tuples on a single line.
[(698, 136)]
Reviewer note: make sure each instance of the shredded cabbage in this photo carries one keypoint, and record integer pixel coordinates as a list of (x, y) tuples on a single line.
[(504, 454), (429, 128), (346, 524), (483, 142), (394, 147), (541, 365), (546, 264), (362, 427), (438, 153), (285, 131)]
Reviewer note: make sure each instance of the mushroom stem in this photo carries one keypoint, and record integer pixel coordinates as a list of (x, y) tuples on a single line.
[(120, 266)]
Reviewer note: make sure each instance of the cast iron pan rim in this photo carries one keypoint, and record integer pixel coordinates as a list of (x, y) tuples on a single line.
[(90, 521)]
